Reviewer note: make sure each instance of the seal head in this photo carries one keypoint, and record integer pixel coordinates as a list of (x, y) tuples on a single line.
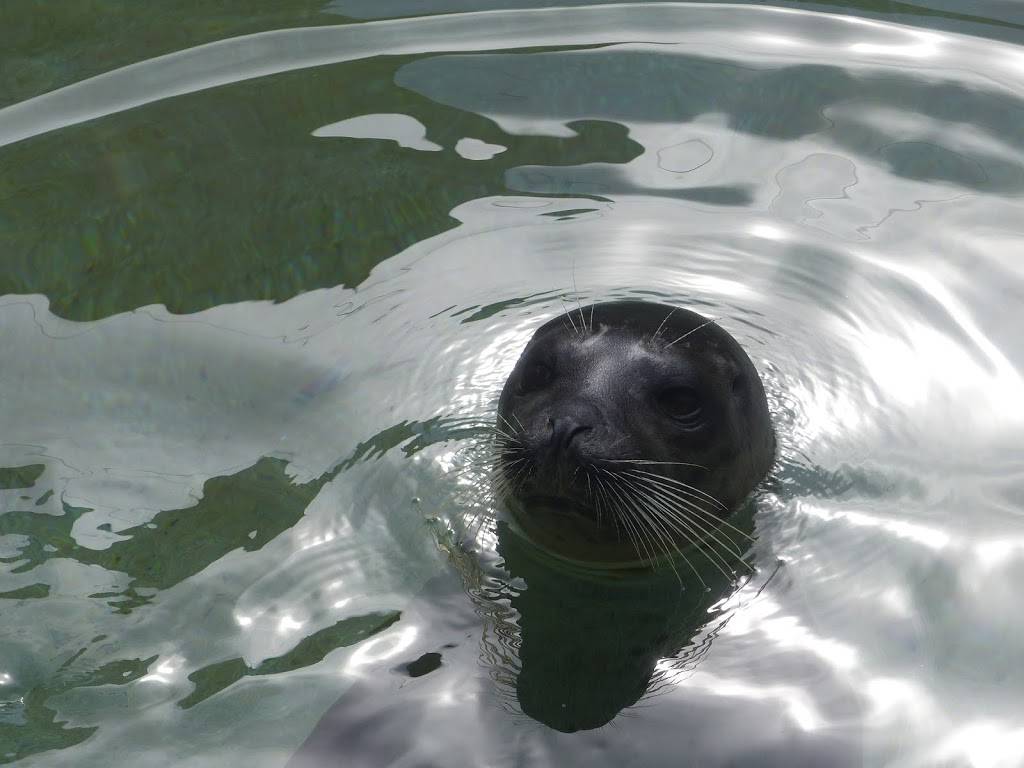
[(629, 429)]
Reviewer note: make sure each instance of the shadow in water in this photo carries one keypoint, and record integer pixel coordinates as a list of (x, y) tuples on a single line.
[(589, 641), (568, 648)]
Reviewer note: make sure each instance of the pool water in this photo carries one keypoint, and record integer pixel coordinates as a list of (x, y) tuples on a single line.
[(265, 267)]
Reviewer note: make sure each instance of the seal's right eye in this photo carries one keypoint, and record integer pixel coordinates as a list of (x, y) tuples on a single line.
[(535, 376), (683, 404)]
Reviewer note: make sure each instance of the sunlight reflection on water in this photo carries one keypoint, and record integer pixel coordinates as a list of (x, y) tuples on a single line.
[(240, 502)]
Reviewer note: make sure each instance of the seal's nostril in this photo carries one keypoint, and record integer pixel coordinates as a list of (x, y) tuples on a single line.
[(564, 430), (578, 431)]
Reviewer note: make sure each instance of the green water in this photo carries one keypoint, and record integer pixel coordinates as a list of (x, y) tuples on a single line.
[(243, 347)]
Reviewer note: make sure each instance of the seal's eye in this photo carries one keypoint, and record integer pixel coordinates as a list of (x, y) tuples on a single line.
[(535, 376), (682, 404)]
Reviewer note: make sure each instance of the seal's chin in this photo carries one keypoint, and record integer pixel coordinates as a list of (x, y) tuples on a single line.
[(556, 504), (572, 530)]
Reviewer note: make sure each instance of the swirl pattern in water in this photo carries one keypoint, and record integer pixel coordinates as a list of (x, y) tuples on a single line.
[(261, 293)]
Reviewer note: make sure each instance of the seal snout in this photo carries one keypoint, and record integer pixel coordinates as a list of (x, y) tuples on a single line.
[(564, 445), (572, 430)]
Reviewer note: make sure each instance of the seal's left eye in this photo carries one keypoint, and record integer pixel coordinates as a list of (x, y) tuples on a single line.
[(535, 376), (682, 404)]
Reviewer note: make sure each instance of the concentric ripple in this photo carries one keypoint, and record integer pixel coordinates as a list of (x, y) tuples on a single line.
[(227, 522)]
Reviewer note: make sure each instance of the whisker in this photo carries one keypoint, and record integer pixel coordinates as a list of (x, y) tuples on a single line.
[(700, 534), (646, 462), (665, 536), (602, 494), (502, 433), (497, 447), (630, 522), (688, 507), (687, 512), (693, 527), (683, 486), (688, 533), (675, 493), (590, 495), (510, 424), (682, 495), (568, 315), (671, 312), (632, 533), (657, 530), (694, 330), (576, 294)]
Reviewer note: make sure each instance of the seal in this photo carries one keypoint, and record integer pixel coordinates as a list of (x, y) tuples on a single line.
[(629, 430)]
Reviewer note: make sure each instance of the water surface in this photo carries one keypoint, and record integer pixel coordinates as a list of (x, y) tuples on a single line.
[(258, 290)]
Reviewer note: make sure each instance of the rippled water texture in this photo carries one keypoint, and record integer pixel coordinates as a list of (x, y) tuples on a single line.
[(256, 289)]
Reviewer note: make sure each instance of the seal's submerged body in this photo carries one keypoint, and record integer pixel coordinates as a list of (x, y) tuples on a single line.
[(629, 429)]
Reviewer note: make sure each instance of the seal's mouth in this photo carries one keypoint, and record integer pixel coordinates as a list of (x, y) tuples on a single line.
[(572, 530), (558, 505)]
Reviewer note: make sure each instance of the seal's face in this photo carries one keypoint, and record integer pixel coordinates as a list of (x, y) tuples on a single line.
[(628, 429)]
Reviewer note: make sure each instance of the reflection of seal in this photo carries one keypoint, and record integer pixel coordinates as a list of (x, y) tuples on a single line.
[(589, 641), (629, 429)]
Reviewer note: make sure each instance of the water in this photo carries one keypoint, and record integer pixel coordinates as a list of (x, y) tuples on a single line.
[(254, 290)]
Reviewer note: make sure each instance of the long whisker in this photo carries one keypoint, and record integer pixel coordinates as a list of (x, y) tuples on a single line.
[(683, 486), (576, 294), (568, 315), (680, 525), (590, 495), (629, 521), (682, 495), (629, 526), (676, 493), (491, 458), (609, 491), (697, 515), (494, 428), (688, 512), (657, 332), (510, 424), (683, 515), (694, 330), (666, 537), (645, 462), (656, 530), (522, 472), (603, 495), (698, 533), (652, 524)]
